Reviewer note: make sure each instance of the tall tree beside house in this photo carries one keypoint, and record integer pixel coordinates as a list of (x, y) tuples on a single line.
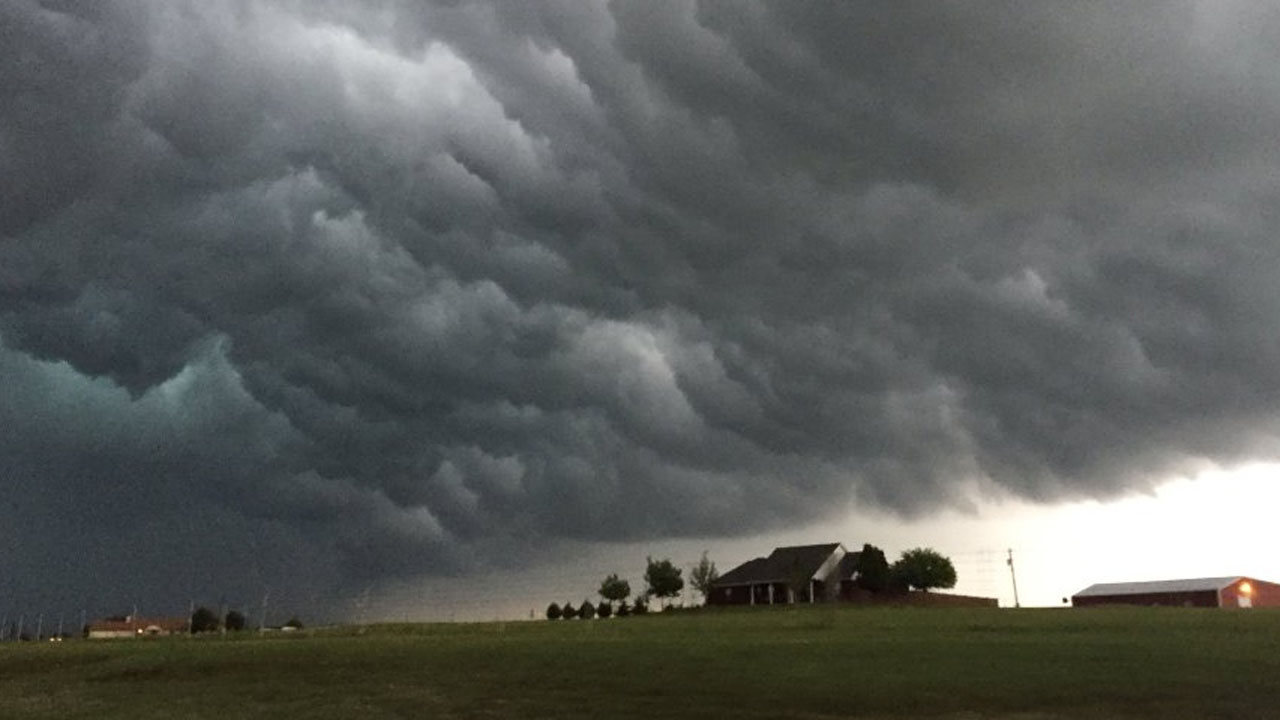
[(924, 569), (235, 620), (614, 589), (702, 575), (872, 569), (663, 578), (204, 620)]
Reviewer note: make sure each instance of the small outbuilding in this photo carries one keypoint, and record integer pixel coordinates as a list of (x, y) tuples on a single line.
[(1220, 592)]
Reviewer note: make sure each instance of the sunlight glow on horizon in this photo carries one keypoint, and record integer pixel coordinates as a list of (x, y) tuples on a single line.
[(1216, 524)]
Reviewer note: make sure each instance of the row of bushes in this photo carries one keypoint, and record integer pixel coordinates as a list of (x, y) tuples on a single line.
[(587, 611)]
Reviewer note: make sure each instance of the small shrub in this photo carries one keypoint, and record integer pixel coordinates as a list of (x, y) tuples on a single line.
[(624, 609), (586, 611), (294, 623), (553, 612), (569, 612), (640, 607), (604, 610)]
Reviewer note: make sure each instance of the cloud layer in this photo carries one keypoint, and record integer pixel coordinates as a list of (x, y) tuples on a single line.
[(339, 292)]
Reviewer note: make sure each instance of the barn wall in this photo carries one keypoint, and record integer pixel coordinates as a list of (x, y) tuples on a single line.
[(1204, 598), (938, 599), (853, 594), (1264, 594)]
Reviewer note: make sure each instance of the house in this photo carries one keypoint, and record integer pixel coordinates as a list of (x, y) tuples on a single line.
[(1220, 592), (815, 574), (796, 574), (133, 627)]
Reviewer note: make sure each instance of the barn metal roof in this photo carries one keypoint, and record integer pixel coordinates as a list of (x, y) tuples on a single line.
[(1159, 586)]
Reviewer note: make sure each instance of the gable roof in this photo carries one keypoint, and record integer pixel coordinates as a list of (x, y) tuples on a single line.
[(1160, 586), (745, 574), (849, 565), (784, 565)]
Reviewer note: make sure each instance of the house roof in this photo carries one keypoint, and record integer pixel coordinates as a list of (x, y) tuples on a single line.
[(784, 565), (745, 574), (1159, 586), (849, 565)]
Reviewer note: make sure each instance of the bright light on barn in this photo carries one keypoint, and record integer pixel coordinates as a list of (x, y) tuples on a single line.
[(1246, 588)]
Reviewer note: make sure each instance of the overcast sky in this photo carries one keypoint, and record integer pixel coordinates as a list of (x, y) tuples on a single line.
[(312, 297)]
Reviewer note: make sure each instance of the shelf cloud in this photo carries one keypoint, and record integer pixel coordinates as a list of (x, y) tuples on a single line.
[(343, 292)]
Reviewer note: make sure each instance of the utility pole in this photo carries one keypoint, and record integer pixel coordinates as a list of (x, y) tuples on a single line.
[(1013, 576), (39, 626), (262, 619), (59, 635)]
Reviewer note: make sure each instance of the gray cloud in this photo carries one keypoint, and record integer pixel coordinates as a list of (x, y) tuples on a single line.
[(346, 292)]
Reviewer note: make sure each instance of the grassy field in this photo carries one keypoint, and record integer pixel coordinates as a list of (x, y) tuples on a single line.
[(804, 662)]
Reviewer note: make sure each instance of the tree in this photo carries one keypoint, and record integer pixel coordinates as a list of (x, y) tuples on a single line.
[(872, 569), (624, 609), (204, 620), (235, 620), (553, 612), (294, 623), (613, 589), (663, 578), (569, 612), (604, 609), (703, 575), (640, 606), (586, 610), (924, 569)]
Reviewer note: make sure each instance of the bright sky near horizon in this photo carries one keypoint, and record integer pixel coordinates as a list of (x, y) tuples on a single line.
[(1219, 523)]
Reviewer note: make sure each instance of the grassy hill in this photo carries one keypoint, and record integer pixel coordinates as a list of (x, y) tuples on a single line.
[(805, 662)]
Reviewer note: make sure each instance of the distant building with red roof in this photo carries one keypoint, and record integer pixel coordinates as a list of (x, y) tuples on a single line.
[(1235, 591), (132, 627)]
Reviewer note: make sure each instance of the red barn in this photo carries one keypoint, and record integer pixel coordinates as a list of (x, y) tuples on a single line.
[(1221, 592)]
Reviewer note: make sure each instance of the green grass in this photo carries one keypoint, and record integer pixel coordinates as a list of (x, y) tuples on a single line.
[(821, 662)]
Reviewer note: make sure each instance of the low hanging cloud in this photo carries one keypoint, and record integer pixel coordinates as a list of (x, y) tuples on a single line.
[(342, 292)]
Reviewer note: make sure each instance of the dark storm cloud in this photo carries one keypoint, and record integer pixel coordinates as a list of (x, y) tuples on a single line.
[(341, 291)]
